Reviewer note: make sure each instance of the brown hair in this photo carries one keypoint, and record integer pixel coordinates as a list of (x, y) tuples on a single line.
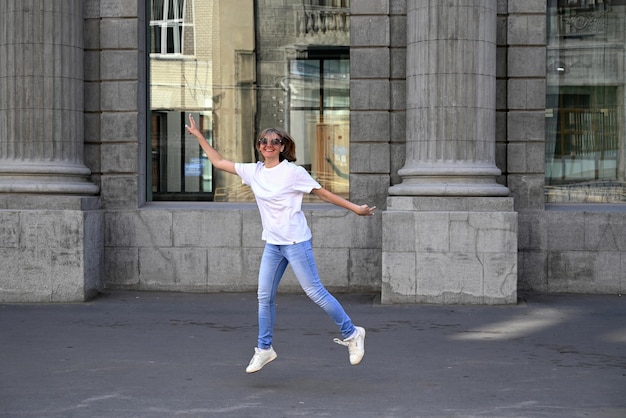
[(289, 151)]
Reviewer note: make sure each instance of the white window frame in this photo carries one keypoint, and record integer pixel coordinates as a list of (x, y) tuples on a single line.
[(165, 24)]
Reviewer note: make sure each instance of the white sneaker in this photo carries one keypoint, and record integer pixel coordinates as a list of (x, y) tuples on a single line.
[(260, 358), (356, 346)]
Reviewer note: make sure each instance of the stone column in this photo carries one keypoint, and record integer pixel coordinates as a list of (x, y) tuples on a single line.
[(451, 100), (449, 231), (51, 226), (41, 98)]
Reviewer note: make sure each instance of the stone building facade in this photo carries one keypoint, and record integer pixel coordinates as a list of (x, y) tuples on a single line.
[(447, 137)]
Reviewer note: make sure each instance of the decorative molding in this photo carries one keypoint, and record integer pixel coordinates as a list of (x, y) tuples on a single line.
[(323, 26), (583, 24)]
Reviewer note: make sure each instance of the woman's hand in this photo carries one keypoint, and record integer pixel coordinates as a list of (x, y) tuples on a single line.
[(192, 128), (365, 210), (214, 156)]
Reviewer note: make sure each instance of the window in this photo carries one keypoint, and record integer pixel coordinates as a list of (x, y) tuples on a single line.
[(585, 101), (287, 67), (170, 29), (319, 109)]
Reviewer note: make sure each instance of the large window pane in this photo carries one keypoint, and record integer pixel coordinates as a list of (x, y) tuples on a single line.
[(320, 111), (240, 66), (585, 101)]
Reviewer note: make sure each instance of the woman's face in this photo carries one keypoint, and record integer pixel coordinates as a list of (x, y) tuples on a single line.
[(271, 146)]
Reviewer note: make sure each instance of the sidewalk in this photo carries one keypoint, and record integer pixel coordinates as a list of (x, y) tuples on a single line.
[(130, 354)]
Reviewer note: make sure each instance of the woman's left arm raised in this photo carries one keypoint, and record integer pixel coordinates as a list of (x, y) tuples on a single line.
[(330, 197)]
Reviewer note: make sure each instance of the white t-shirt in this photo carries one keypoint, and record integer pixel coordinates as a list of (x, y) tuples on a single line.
[(278, 192)]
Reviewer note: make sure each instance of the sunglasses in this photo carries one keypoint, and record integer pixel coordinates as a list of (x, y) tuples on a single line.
[(273, 141)]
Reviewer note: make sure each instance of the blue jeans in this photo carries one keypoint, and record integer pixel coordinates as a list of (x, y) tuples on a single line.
[(273, 265)]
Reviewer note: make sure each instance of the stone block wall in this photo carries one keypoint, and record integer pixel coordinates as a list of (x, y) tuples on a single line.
[(525, 101), (377, 122), (115, 100), (573, 249), (373, 93), (53, 254), (450, 250), (199, 248)]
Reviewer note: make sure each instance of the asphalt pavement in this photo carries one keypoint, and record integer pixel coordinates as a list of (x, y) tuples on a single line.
[(136, 354)]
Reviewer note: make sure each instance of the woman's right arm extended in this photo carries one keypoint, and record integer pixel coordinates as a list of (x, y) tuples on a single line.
[(214, 156)]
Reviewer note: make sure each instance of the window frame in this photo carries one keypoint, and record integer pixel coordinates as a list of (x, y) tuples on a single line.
[(177, 25)]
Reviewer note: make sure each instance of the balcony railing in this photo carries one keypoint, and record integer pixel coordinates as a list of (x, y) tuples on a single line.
[(328, 26)]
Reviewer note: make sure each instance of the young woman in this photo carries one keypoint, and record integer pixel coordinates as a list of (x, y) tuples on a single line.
[(278, 186)]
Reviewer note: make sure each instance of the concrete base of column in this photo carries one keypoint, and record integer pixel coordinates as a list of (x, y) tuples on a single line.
[(449, 250), (52, 248), (449, 179), (45, 178)]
